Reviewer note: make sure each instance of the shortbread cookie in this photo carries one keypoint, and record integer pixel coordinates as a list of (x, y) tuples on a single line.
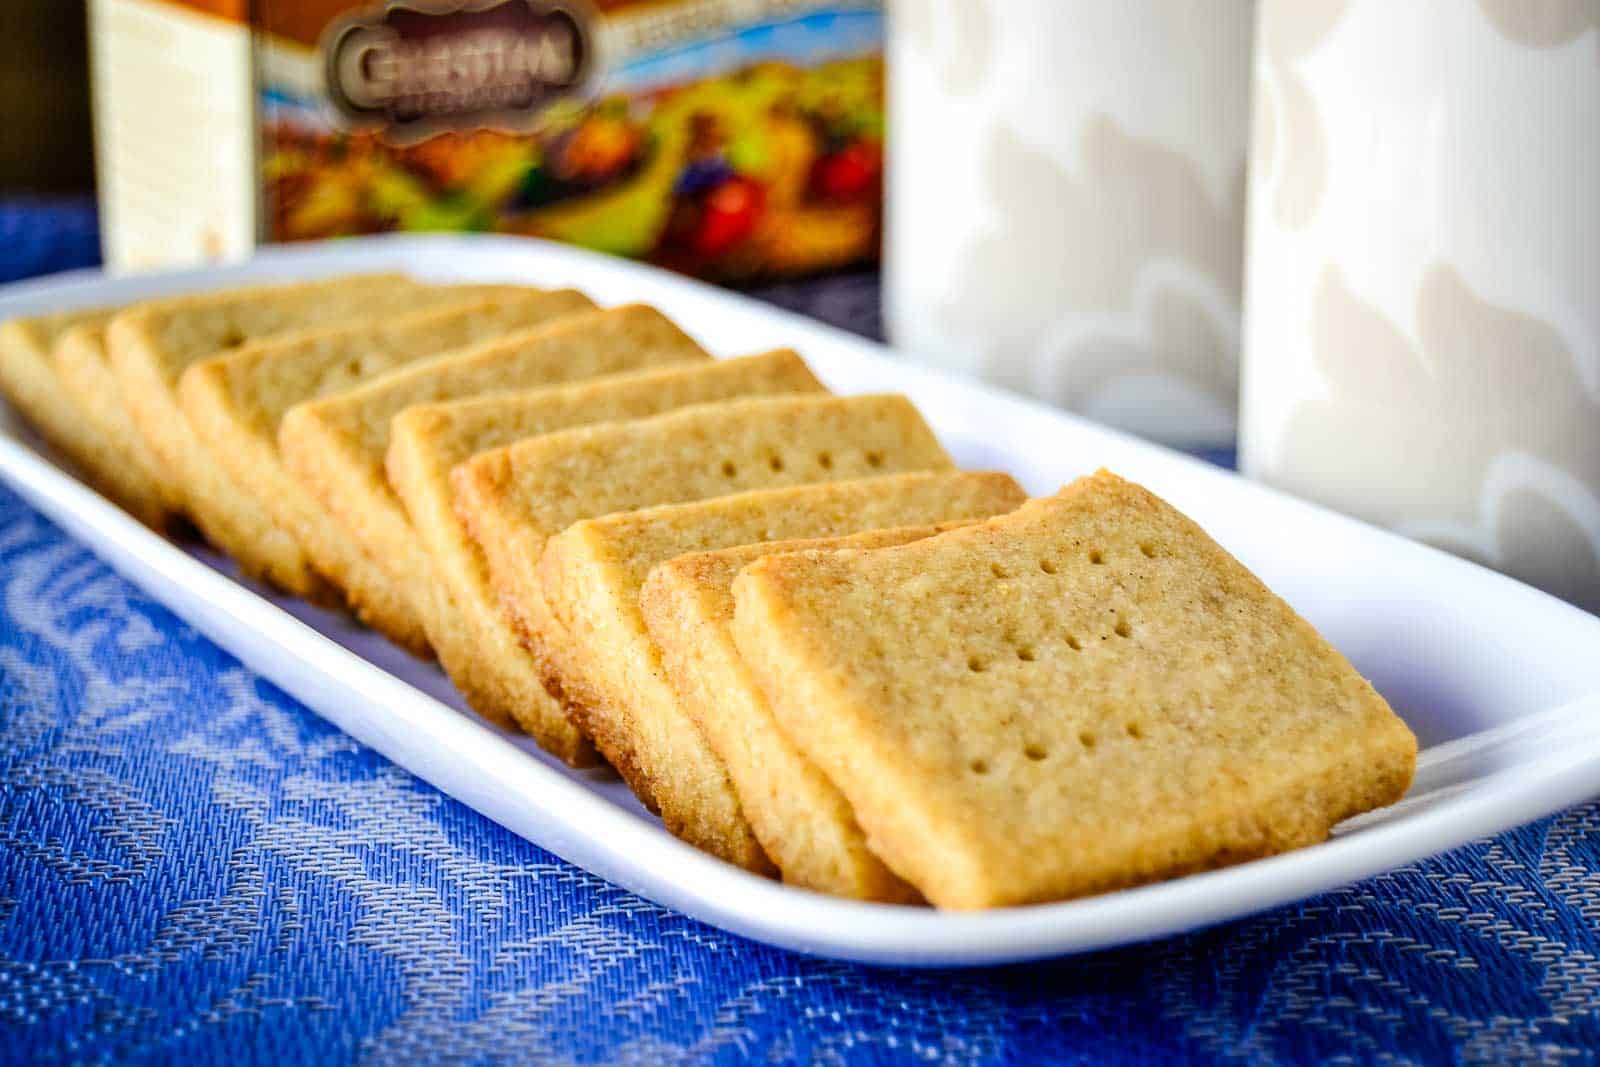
[(514, 498), (1086, 694), (122, 459), (592, 573), (151, 344), (334, 446), (803, 823), (28, 377), (30, 380), (470, 634), (234, 403)]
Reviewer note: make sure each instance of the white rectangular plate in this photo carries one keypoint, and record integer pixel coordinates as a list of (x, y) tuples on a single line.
[(1455, 648)]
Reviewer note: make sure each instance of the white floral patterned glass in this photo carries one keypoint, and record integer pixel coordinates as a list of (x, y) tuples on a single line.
[(1066, 201), (1422, 328)]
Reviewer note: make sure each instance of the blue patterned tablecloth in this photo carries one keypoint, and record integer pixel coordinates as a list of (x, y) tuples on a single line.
[(194, 868)]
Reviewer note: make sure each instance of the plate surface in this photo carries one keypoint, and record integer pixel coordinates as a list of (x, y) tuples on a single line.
[(1456, 649)]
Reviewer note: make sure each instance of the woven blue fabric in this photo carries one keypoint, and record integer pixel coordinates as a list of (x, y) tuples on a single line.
[(194, 868), (42, 236)]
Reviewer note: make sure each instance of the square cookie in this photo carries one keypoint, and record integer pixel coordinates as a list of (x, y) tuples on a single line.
[(804, 823), (151, 344), (234, 403), (1085, 694), (334, 446), (475, 642)]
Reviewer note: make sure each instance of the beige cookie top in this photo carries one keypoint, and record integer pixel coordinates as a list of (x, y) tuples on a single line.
[(107, 444), (474, 641), (40, 332), (172, 332), (429, 440), (802, 822), (549, 482), (31, 381), (591, 574), (28, 374), (703, 580), (1085, 694), (573, 348), (511, 499), (701, 538), (151, 344), (262, 379), (191, 326), (235, 401)]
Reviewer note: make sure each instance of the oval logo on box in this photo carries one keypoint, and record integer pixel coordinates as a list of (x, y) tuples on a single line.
[(416, 66)]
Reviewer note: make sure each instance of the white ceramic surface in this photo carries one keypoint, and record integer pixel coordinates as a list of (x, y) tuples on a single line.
[(1066, 202), (1422, 327), (1456, 648)]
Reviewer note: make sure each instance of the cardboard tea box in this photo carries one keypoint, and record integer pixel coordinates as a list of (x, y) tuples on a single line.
[(733, 139)]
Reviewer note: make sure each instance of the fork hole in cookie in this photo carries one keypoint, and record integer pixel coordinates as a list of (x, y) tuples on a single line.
[(979, 766), (1034, 752), (1123, 629), (1148, 549), (1087, 739), (874, 459), (728, 469), (1073, 643), (977, 664), (825, 460), (1025, 653), (232, 339), (775, 463), (354, 368), (998, 571), (1047, 565), (1096, 556), (1135, 731)]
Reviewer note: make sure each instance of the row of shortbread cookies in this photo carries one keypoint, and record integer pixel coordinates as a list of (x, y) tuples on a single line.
[(803, 637)]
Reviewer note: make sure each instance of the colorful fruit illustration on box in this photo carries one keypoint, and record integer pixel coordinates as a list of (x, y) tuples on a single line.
[(772, 170)]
